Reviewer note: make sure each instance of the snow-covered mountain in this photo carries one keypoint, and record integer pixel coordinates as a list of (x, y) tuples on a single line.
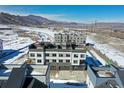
[(31, 20)]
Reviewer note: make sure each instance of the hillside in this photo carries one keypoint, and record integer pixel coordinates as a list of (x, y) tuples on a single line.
[(33, 20)]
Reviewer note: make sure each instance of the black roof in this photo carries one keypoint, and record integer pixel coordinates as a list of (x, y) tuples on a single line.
[(16, 78), (121, 76), (31, 82)]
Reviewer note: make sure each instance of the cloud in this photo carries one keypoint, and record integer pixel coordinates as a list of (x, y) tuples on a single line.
[(56, 17), (49, 16), (52, 16)]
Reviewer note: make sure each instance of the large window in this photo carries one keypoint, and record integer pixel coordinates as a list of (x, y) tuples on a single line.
[(67, 55), (75, 61), (75, 55), (32, 55), (82, 62), (82, 55), (47, 55), (47, 60), (39, 61), (60, 61), (53, 60), (60, 55), (39, 55), (54, 55), (67, 61)]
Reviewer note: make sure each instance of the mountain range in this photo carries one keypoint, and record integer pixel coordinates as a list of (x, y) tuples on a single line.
[(30, 20), (33, 20)]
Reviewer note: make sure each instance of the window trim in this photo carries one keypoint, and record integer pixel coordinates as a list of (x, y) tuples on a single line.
[(61, 54), (76, 56), (31, 54), (67, 61), (82, 56), (61, 61), (68, 54), (54, 60), (54, 54), (38, 60), (74, 62), (38, 54), (47, 54)]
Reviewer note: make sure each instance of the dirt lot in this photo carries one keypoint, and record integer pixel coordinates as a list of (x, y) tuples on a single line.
[(69, 75)]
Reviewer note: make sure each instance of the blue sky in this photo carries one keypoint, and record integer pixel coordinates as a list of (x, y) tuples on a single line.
[(76, 13)]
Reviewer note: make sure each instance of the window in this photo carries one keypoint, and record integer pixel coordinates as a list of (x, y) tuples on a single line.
[(32, 55), (60, 55), (54, 55), (53, 60), (67, 55), (60, 61), (76, 55), (82, 55), (75, 61), (67, 61), (39, 61), (47, 60), (82, 62), (39, 55), (47, 54)]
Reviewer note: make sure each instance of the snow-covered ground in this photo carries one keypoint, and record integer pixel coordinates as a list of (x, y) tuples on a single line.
[(15, 45), (12, 42), (14, 56), (4, 72), (46, 34), (112, 53), (66, 84)]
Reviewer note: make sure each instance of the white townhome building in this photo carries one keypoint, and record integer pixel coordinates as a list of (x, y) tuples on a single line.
[(49, 53), (64, 38)]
